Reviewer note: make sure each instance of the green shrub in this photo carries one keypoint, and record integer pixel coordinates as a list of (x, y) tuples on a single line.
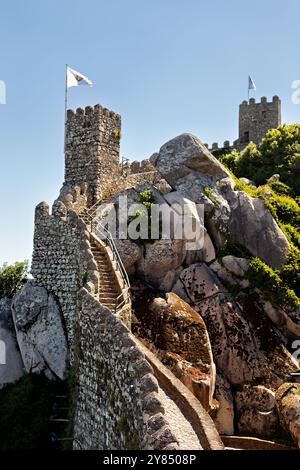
[(270, 283), (290, 272), (209, 194), (85, 277), (286, 209), (146, 197), (229, 160), (249, 163), (292, 234), (12, 278), (280, 188), (279, 152)]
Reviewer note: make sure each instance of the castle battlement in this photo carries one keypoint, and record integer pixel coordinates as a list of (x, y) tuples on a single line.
[(263, 100), (256, 118), (89, 110), (92, 149)]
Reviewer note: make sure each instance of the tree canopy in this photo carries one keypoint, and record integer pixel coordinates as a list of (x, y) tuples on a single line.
[(12, 278), (278, 153)]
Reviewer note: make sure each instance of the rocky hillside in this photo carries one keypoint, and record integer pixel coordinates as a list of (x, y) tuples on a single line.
[(223, 317), (222, 312)]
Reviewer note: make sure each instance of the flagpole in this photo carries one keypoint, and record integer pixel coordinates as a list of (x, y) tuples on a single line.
[(66, 106), (248, 88)]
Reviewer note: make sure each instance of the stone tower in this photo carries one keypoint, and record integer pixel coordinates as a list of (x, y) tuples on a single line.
[(92, 150), (255, 119)]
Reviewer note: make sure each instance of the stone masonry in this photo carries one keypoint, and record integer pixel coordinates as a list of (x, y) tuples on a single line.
[(61, 256), (118, 406), (116, 397), (256, 119), (92, 149)]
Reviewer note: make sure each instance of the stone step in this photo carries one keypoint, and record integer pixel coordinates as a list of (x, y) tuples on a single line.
[(108, 292), (110, 300), (103, 271), (107, 287), (107, 279), (108, 295), (109, 306)]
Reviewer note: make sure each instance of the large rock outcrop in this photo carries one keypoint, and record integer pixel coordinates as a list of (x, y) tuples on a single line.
[(189, 167), (11, 364), (245, 345), (195, 173), (286, 318), (252, 225), (256, 412), (130, 253), (288, 402), (224, 418), (159, 258), (179, 336), (40, 331)]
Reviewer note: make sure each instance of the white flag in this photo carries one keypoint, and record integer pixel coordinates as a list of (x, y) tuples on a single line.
[(251, 84), (75, 78)]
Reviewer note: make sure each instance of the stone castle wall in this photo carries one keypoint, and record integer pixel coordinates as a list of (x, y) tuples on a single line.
[(92, 149), (143, 166), (92, 156), (256, 119), (62, 259), (117, 401)]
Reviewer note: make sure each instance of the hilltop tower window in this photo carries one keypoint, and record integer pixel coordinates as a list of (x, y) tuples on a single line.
[(246, 137)]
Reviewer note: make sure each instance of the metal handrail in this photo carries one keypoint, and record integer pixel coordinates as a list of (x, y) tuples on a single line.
[(98, 228), (91, 210)]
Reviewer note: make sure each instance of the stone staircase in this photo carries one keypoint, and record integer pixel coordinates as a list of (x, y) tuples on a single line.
[(108, 293), (90, 212), (114, 283)]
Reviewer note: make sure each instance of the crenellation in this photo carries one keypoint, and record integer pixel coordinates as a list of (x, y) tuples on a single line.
[(256, 118), (60, 257), (41, 212), (92, 150)]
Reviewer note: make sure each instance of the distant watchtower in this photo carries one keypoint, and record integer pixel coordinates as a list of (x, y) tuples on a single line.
[(92, 150), (255, 119)]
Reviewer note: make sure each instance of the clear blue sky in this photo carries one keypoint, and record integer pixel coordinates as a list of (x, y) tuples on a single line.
[(167, 66)]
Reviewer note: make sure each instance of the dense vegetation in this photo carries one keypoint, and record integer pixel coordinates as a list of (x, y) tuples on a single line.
[(25, 410), (12, 278), (278, 153)]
